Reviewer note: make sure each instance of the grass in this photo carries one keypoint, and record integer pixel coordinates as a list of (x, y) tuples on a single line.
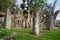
[(50, 35), (25, 34), (5, 32)]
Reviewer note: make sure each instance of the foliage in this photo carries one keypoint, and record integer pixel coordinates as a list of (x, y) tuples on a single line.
[(4, 4), (33, 3)]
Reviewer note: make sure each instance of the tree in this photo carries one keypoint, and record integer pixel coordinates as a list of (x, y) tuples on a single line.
[(46, 16), (50, 16), (29, 15), (35, 7), (8, 6), (55, 15), (24, 14)]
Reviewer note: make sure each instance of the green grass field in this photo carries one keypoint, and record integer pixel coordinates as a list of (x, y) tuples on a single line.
[(26, 34)]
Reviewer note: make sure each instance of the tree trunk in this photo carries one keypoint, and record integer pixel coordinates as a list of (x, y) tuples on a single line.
[(15, 20), (25, 23), (31, 22), (23, 19), (52, 23), (47, 20), (36, 22), (28, 19), (8, 19)]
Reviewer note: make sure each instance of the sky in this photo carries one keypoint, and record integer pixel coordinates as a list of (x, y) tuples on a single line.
[(57, 7)]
